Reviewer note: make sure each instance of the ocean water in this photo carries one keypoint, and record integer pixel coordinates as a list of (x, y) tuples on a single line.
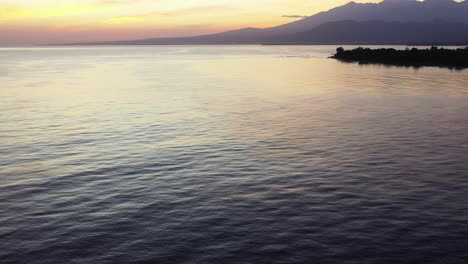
[(229, 154)]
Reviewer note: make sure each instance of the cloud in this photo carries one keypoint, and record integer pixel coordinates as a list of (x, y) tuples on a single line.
[(294, 16), (16, 12), (176, 13), (9, 11), (130, 19), (198, 9), (117, 2)]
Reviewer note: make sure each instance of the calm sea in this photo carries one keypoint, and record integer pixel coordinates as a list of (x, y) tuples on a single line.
[(229, 154)]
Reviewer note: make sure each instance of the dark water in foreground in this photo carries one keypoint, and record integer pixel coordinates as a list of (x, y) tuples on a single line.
[(229, 155)]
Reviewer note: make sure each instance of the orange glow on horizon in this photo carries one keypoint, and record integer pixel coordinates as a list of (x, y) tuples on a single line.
[(53, 21)]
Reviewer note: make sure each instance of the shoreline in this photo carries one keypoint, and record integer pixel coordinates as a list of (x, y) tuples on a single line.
[(431, 57)]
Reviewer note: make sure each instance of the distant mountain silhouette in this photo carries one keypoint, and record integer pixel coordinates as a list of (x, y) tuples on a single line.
[(388, 10), (402, 20), (241, 36), (382, 33)]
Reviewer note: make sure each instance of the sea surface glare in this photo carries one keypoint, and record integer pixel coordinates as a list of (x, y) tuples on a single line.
[(229, 154)]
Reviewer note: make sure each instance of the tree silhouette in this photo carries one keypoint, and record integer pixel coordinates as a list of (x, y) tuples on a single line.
[(434, 56)]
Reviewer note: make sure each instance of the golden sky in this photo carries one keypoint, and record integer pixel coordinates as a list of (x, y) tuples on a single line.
[(55, 21)]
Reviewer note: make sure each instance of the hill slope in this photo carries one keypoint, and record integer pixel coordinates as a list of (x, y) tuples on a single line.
[(388, 10), (404, 11), (382, 33)]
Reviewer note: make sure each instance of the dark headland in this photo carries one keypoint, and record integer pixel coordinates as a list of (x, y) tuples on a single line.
[(439, 57)]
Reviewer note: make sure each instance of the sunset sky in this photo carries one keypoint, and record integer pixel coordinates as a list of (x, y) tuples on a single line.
[(24, 22)]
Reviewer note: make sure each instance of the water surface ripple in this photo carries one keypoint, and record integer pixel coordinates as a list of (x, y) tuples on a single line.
[(229, 155)]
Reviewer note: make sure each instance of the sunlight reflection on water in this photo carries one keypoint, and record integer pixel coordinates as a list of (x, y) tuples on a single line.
[(229, 154)]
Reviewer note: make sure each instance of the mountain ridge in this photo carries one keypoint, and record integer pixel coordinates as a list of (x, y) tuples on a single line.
[(387, 11), (378, 32)]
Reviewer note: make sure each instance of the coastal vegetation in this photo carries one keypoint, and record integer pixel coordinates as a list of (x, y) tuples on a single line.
[(434, 56)]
